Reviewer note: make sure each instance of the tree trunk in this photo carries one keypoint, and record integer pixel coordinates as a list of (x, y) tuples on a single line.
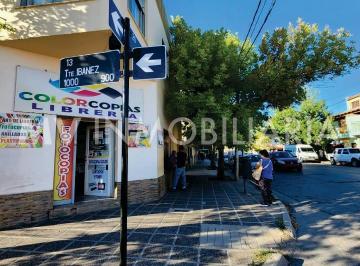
[(221, 165)]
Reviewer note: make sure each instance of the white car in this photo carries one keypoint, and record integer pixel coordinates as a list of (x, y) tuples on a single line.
[(346, 156), (303, 152)]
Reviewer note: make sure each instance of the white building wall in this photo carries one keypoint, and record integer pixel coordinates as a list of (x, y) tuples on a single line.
[(25, 170)]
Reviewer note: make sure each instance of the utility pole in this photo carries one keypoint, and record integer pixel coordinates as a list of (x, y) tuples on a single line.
[(125, 133)]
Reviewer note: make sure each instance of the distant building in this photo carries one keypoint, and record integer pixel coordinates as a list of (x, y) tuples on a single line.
[(348, 123)]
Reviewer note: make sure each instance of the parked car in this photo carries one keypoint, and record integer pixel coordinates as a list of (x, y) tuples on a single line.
[(303, 152), (283, 160), (254, 159), (346, 156)]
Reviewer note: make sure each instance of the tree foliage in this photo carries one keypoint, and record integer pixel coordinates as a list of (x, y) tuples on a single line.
[(261, 141), (309, 123), (290, 58), (211, 77)]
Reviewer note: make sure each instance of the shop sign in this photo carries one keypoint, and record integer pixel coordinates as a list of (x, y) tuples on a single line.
[(39, 92), (64, 161), (21, 130), (139, 136)]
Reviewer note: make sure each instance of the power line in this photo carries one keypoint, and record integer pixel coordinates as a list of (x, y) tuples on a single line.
[(258, 18), (262, 26), (252, 22), (337, 103)]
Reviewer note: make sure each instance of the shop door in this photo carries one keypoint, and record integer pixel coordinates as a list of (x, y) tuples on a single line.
[(99, 169)]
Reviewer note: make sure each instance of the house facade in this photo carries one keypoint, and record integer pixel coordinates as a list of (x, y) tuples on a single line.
[(60, 149), (347, 124)]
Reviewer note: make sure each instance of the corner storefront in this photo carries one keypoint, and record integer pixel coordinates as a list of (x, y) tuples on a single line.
[(60, 149)]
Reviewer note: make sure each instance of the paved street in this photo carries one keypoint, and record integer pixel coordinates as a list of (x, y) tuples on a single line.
[(326, 203), (212, 223)]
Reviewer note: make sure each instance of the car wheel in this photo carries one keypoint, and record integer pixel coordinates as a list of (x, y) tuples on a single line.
[(332, 161), (354, 163), (299, 169)]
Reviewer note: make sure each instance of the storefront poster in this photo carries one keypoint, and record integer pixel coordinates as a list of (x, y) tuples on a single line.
[(64, 161), (21, 130), (139, 136), (99, 163), (39, 92)]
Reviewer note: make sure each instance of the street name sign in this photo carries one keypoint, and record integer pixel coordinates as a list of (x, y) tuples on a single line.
[(90, 69), (149, 63), (117, 27)]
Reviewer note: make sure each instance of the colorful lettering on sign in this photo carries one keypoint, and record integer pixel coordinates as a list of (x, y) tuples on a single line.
[(63, 177), (64, 162)]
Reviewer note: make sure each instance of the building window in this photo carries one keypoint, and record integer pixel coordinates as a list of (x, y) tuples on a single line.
[(355, 104), (137, 9), (38, 2)]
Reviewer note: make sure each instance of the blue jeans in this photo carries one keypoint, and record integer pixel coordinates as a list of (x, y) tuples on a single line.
[(179, 172)]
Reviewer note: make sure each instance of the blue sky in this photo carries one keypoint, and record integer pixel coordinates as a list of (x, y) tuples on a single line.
[(235, 15)]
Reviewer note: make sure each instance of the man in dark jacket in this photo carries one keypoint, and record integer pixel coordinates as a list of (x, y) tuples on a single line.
[(245, 169), (180, 168)]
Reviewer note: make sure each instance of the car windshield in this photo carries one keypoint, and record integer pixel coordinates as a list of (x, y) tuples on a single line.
[(255, 158), (354, 150), (307, 149), (283, 154)]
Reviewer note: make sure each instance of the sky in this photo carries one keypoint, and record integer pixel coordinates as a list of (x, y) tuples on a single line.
[(236, 15)]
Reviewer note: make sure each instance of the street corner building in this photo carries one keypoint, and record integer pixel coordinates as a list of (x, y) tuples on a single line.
[(60, 149)]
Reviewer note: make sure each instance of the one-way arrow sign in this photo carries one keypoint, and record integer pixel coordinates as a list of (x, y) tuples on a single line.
[(149, 63), (116, 26)]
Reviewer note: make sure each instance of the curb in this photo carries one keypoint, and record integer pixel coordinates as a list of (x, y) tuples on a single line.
[(276, 260), (286, 217), (285, 214)]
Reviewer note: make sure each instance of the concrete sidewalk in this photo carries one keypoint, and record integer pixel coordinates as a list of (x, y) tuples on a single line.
[(212, 223)]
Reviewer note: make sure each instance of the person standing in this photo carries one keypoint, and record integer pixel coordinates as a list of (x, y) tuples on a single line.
[(172, 165), (180, 168), (245, 170), (266, 177)]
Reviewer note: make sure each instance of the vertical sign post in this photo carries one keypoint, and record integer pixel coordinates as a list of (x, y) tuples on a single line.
[(125, 133)]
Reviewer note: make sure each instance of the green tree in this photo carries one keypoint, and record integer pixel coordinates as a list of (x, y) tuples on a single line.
[(290, 58), (309, 123), (261, 141), (211, 77)]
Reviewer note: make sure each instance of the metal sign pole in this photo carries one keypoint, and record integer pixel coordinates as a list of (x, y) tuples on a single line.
[(125, 133)]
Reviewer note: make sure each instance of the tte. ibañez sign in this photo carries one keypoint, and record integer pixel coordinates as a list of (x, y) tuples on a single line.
[(90, 69)]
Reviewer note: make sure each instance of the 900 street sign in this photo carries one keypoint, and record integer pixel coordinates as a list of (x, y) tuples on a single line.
[(90, 69)]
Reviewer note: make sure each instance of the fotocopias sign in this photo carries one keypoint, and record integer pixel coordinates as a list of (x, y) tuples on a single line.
[(64, 161)]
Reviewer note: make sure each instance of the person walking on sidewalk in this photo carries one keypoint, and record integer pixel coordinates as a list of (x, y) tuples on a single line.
[(180, 168), (172, 165), (266, 177)]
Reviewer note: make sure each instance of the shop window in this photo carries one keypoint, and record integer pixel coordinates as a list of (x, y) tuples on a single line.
[(38, 2), (137, 9)]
